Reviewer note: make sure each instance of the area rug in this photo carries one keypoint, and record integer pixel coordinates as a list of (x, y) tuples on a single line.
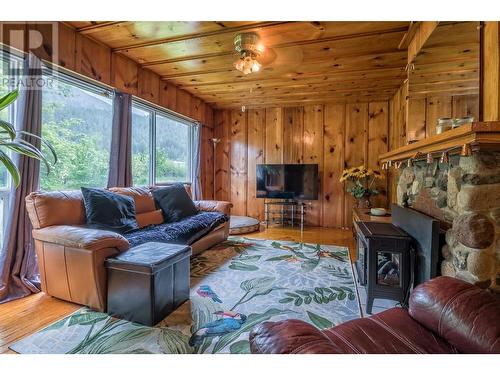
[(234, 286)]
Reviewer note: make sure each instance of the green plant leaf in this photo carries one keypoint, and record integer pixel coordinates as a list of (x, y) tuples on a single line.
[(319, 321), (7, 99), (174, 342), (257, 284), (239, 266), (304, 293), (286, 300), (310, 264), (11, 168), (249, 258), (117, 342), (45, 142), (5, 127), (279, 258), (298, 301), (240, 347), (87, 318), (307, 300)]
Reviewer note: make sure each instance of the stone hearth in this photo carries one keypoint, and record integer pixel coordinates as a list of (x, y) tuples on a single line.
[(465, 196)]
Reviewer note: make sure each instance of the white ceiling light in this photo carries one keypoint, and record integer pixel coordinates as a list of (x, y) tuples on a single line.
[(249, 46)]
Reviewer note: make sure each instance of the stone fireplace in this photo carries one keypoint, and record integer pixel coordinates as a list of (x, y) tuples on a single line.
[(464, 195)]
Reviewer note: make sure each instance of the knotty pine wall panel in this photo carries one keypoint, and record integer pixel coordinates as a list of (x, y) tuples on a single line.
[(333, 164), (207, 160), (378, 132), (309, 134), (124, 74), (293, 128), (256, 121), (313, 154), (149, 86), (274, 135), (93, 59), (356, 140), (238, 169), (222, 131)]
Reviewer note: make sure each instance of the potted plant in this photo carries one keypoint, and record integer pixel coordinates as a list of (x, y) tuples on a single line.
[(360, 181), (15, 141)]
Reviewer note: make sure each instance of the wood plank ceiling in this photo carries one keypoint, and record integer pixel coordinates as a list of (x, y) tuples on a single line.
[(304, 62)]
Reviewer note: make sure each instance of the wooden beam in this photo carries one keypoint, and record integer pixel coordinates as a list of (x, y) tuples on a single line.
[(199, 35), (425, 29), (275, 46), (412, 29), (322, 76), (98, 27)]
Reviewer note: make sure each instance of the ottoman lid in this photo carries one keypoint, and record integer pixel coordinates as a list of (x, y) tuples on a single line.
[(149, 257)]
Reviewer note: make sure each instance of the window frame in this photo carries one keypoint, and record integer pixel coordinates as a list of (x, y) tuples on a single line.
[(155, 111), (70, 78)]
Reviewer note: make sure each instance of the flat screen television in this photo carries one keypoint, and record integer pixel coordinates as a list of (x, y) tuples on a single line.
[(287, 181)]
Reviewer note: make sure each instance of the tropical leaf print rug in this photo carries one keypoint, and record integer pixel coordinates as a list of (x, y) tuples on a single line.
[(235, 286)]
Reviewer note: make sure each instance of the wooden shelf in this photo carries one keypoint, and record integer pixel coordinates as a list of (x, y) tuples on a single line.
[(478, 134)]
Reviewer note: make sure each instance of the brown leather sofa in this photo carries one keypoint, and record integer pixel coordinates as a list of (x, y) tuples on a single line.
[(445, 315), (71, 256)]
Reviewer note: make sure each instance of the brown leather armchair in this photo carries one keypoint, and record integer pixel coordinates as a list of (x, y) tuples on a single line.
[(71, 256), (445, 315)]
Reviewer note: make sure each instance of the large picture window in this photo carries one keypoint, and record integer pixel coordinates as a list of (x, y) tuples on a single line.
[(173, 151), (161, 146), (141, 145), (77, 121)]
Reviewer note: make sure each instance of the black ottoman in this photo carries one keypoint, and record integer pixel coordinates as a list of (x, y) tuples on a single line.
[(147, 282)]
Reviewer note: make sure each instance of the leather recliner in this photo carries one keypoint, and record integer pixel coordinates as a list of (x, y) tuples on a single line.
[(445, 315), (71, 256)]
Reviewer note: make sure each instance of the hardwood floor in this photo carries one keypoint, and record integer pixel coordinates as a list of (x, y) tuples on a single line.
[(27, 315)]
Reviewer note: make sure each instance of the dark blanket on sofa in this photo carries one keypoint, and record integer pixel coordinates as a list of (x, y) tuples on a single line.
[(185, 231)]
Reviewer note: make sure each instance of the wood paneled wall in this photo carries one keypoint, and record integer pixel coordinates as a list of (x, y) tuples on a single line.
[(423, 113), (490, 71), (85, 56), (334, 136)]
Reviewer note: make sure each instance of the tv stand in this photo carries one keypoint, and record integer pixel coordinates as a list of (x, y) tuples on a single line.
[(284, 212)]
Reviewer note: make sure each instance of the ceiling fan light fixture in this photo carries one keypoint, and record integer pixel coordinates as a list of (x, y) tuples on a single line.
[(249, 46)]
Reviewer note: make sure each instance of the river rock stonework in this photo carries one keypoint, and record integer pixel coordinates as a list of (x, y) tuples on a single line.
[(465, 196)]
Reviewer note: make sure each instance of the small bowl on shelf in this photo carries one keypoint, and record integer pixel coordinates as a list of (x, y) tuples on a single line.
[(378, 211)]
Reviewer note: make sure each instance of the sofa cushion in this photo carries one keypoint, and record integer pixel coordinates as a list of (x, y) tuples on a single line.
[(390, 332), (108, 210), (459, 312), (143, 198), (174, 202), (149, 218), (46, 208)]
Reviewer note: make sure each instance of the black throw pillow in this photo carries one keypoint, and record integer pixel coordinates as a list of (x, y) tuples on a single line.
[(174, 202), (107, 210)]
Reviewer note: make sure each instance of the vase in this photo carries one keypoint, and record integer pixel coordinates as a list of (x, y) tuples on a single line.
[(364, 202)]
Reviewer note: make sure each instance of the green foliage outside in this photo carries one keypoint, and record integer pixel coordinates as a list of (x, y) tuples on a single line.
[(78, 125)]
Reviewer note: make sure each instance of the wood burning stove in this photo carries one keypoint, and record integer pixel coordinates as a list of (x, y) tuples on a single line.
[(383, 263)]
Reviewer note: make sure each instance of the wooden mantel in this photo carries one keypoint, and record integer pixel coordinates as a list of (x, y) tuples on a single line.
[(478, 135)]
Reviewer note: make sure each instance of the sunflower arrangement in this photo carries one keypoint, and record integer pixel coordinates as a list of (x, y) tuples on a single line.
[(361, 181)]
